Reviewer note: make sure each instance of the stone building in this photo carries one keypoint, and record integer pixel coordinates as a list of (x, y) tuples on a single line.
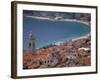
[(31, 43)]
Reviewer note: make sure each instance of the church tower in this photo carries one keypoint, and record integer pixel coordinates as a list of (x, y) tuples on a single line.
[(31, 44)]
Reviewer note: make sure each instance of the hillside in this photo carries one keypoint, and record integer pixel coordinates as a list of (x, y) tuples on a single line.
[(67, 54)]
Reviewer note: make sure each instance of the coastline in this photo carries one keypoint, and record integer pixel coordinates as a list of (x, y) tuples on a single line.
[(74, 39), (56, 19), (85, 36), (74, 20)]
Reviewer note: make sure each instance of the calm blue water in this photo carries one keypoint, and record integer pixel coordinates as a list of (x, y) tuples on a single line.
[(47, 32)]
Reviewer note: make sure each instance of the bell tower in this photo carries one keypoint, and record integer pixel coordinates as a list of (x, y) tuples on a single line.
[(31, 44)]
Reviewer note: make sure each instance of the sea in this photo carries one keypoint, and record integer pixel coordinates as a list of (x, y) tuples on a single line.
[(48, 32)]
